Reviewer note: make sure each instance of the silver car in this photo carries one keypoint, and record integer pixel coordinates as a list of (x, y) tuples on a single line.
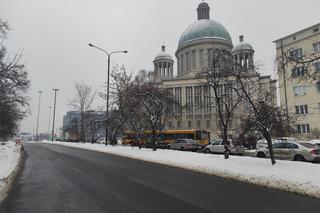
[(290, 150), (218, 147), (184, 144), (315, 143)]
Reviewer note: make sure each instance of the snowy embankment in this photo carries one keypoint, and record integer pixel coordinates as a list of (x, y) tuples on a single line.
[(298, 177), (9, 159)]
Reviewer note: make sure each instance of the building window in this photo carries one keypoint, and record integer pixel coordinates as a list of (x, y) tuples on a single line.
[(206, 99), (170, 124), (208, 124), (210, 55), (178, 124), (303, 128), (187, 62), (170, 94), (189, 124), (198, 124), (182, 64), (297, 53), (197, 99), (194, 59), (189, 100), (299, 90), (201, 58), (297, 71), (317, 66), (316, 47), (178, 100), (302, 109)]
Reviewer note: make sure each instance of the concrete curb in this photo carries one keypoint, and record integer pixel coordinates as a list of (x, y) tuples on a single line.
[(9, 180)]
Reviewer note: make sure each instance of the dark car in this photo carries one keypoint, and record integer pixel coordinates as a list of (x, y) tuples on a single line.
[(159, 144)]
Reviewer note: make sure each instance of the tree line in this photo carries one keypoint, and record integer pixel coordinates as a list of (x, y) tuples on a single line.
[(14, 84)]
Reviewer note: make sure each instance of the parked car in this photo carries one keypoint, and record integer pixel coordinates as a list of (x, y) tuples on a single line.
[(184, 144), (315, 143), (160, 144), (290, 150), (217, 146)]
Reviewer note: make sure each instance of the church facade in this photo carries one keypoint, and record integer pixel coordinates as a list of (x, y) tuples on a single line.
[(195, 46)]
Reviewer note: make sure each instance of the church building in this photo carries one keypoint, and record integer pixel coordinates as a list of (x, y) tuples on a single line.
[(195, 46)]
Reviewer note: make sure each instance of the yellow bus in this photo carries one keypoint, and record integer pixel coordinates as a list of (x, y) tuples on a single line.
[(167, 136)]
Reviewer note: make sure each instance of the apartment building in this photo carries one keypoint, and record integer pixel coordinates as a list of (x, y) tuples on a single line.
[(299, 93)]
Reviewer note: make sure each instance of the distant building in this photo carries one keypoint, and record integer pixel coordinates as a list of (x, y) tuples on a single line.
[(195, 46), (26, 136), (300, 95), (93, 124)]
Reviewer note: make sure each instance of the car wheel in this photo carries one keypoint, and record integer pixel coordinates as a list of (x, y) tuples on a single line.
[(299, 158), (168, 147), (207, 151), (182, 148), (261, 155)]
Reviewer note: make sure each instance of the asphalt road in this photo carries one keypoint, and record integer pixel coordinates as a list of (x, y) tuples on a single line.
[(60, 179)]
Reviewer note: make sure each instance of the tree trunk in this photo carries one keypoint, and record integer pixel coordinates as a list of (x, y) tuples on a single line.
[(82, 129), (154, 144), (267, 136), (225, 140)]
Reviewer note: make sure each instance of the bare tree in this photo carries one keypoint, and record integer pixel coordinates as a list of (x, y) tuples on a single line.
[(316, 133), (120, 100), (156, 104), (94, 123), (139, 104), (82, 102), (305, 62), (262, 113), (13, 86), (217, 77)]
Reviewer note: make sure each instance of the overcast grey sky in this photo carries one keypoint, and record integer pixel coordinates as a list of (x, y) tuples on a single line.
[(54, 37)]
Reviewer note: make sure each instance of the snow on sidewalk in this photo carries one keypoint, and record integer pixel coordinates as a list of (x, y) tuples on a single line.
[(9, 158), (298, 177)]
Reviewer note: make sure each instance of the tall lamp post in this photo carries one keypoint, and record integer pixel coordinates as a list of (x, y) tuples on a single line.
[(54, 111), (50, 107), (108, 76), (37, 134)]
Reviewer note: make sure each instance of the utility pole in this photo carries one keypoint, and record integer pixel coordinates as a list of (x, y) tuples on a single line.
[(50, 107), (37, 135), (283, 66), (54, 111)]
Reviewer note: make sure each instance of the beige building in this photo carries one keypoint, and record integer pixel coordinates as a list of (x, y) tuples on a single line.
[(298, 94), (196, 102)]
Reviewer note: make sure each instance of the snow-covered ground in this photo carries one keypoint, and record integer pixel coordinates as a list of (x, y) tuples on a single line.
[(9, 158), (298, 177)]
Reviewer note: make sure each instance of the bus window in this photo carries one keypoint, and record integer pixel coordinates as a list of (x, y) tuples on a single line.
[(170, 136), (202, 135), (189, 135)]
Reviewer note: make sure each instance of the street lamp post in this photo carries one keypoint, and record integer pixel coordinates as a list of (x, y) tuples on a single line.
[(37, 134), (108, 76), (54, 112), (50, 107)]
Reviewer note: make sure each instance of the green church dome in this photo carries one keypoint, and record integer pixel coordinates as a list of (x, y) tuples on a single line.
[(204, 28)]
